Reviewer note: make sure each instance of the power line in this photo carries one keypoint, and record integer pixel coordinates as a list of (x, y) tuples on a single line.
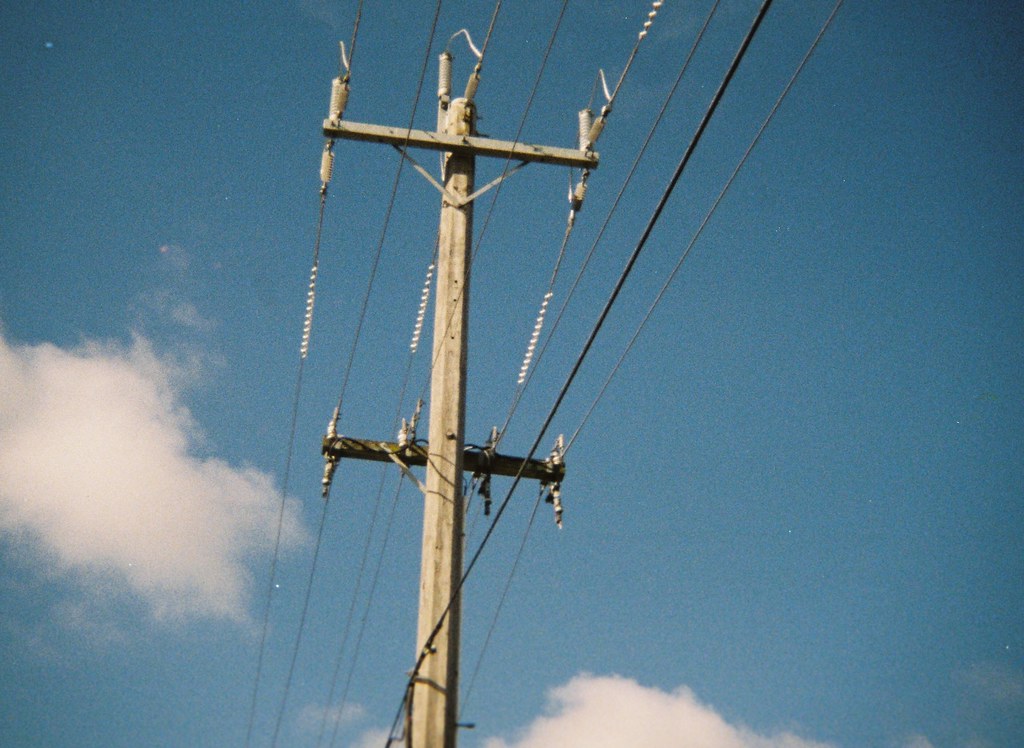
[(326, 176), (302, 625), (303, 350), (519, 392), (611, 212), (703, 224), (387, 217)]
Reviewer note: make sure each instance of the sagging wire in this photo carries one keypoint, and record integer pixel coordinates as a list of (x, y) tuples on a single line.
[(469, 41)]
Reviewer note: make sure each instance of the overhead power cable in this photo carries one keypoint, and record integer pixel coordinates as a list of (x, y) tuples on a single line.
[(387, 218), (326, 168), (520, 391), (703, 224), (663, 200), (348, 369), (611, 212)]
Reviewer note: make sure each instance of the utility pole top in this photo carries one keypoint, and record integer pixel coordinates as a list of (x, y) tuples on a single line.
[(432, 700)]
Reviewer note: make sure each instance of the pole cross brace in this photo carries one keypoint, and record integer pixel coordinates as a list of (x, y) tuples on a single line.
[(474, 460)]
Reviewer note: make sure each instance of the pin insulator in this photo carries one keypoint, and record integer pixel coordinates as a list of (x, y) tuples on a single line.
[(339, 98), (444, 77)]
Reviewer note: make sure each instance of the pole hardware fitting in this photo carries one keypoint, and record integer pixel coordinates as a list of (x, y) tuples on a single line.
[(552, 491), (483, 472), (407, 434), (330, 460)]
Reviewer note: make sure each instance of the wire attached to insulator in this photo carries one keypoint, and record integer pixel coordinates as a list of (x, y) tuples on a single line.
[(599, 123), (538, 325), (326, 165), (474, 79), (422, 312)]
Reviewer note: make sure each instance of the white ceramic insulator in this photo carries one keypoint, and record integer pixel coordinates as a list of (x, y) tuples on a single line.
[(339, 98), (326, 165), (471, 86), (444, 76), (307, 322), (586, 122), (580, 192), (534, 338), (422, 312)]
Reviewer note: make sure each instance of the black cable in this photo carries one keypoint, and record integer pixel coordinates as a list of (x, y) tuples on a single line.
[(703, 224), (302, 625), (285, 482), (520, 391), (387, 213), (607, 221)]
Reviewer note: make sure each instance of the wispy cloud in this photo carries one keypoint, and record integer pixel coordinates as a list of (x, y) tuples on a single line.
[(600, 712), (312, 716), (995, 683), (98, 475)]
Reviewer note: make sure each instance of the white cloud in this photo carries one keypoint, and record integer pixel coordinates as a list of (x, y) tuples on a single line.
[(97, 471), (371, 739), (608, 712)]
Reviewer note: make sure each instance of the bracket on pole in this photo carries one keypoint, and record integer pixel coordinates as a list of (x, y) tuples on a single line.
[(455, 200)]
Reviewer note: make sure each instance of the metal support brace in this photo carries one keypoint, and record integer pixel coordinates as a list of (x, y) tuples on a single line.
[(405, 469), (455, 200)]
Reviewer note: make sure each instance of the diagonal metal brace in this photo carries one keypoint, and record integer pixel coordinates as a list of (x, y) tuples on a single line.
[(409, 473), (453, 199)]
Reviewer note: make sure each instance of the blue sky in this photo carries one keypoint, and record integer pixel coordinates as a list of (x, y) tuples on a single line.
[(794, 518)]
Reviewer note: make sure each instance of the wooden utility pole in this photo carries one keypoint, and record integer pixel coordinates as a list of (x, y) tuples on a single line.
[(433, 704), (435, 690)]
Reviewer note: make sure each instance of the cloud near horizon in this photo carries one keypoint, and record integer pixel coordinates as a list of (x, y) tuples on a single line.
[(98, 472), (611, 711)]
